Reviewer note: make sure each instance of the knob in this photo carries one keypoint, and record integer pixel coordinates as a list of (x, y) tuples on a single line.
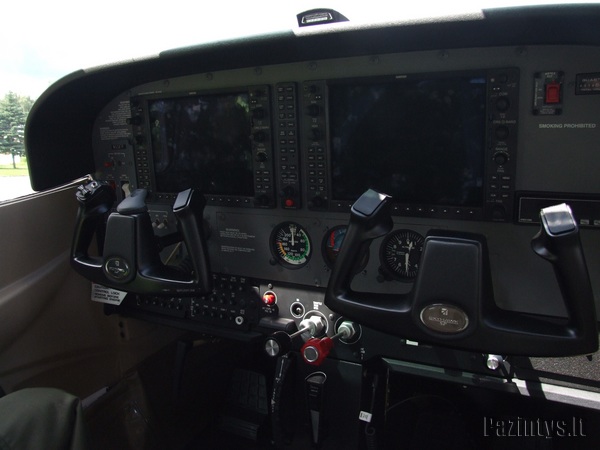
[(281, 342), (278, 343), (494, 362), (261, 156), (288, 191), (315, 350), (500, 158), (502, 132), (314, 325), (502, 104), (269, 298), (346, 330), (297, 309)]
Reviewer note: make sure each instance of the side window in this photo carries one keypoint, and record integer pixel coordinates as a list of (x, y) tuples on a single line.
[(14, 175)]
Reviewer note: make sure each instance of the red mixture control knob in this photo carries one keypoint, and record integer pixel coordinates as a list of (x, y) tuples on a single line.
[(315, 350)]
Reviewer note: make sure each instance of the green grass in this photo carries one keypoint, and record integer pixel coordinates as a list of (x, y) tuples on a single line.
[(7, 170)]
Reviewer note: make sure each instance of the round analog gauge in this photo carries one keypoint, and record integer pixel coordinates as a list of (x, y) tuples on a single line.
[(332, 244), (400, 254), (290, 245)]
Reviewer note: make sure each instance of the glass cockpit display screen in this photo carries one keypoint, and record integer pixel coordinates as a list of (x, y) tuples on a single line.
[(419, 139), (202, 142)]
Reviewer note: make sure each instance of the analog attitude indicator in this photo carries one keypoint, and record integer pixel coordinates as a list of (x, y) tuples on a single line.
[(332, 244), (290, 245), (400, 254)]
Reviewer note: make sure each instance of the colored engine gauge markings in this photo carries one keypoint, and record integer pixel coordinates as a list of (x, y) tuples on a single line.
[(290, 245), (400, 254), (332, 244)]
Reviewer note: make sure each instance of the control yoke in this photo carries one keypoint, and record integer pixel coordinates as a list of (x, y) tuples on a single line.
[(130, 259), (451, 302)]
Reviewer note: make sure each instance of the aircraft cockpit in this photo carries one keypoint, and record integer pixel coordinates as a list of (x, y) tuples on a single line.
[(337, 237)]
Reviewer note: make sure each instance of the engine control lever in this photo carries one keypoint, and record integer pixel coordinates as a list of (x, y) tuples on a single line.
[(280, 342), (315, 350)]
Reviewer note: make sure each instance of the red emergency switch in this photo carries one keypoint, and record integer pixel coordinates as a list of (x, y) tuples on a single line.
[(552, 93)]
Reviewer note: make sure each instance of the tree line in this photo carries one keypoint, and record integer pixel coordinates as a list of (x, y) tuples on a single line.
[(14, 109)]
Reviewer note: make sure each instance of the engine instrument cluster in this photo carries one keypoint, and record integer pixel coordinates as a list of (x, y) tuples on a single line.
[(291, 245)]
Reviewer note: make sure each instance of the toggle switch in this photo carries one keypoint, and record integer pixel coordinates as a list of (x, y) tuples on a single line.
[(548, 93)]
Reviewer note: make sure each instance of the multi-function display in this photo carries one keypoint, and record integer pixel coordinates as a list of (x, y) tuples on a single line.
[(441, 144), (419, 140), (202, 142)]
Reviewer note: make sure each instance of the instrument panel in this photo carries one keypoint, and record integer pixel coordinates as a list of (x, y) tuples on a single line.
[(322, 147), (226, 180), (457, 138)]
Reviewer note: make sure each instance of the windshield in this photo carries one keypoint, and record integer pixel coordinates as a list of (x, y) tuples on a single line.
[(43, 41)]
